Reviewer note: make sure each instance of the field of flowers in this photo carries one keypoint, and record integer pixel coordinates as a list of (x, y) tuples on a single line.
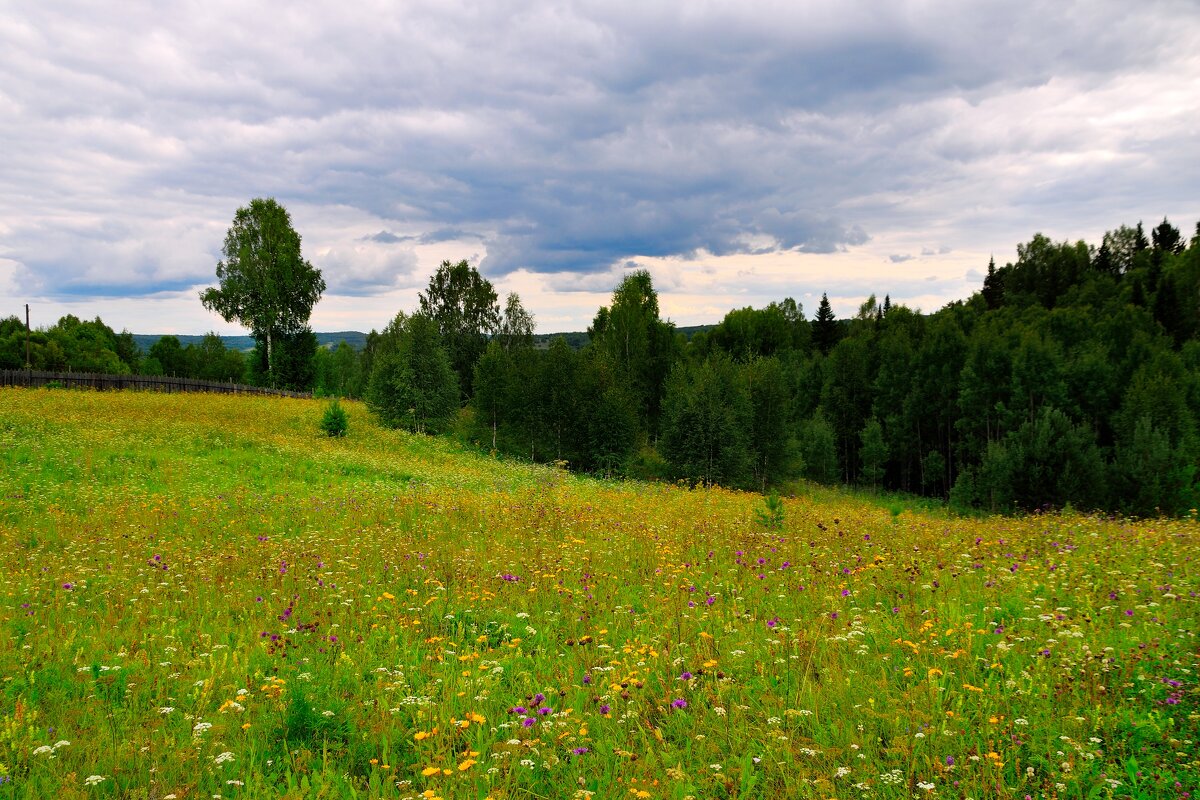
[(204, 597)]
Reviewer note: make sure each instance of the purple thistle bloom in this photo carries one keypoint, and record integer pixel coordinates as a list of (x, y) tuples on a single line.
[(587, 679), (545, 710), (949, 761), (604, 709), (845, 592), (68, 586), (686, 676), (539, 697), (579, 751), (679, 703), (528, 722)]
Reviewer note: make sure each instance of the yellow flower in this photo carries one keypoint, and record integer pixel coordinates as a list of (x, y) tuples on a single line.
[(466, 765), (430, 771), (419, 735)]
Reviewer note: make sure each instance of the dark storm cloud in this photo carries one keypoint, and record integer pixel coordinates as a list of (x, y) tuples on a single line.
[(566, 138)]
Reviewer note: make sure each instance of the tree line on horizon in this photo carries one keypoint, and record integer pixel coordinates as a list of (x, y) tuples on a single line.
[(1071, 377)]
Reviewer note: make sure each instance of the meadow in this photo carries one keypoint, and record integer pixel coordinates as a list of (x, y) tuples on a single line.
[(204, 597)]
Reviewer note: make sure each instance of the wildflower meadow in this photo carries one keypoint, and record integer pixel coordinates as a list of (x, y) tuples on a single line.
[(206, 596)]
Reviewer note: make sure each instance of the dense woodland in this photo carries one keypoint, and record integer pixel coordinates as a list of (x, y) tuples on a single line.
[(1071, 377)]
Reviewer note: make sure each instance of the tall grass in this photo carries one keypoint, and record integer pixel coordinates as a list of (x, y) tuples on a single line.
[(205, 595)]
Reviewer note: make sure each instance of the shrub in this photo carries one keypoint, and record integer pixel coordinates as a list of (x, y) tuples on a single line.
[(334, 423)]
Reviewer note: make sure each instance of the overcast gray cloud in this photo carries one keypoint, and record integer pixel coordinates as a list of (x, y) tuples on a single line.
[(566, 139)]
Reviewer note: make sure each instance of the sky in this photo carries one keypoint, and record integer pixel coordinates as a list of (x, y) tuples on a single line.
[(742, 152)]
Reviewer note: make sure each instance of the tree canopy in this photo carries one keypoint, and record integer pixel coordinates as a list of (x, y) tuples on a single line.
[(266, 285)]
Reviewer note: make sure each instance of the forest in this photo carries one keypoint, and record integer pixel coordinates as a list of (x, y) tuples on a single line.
[(1071, 378)]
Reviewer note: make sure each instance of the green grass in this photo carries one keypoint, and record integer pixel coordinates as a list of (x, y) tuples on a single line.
[(206, 595)]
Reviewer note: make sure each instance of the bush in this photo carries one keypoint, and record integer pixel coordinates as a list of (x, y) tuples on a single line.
[(334, 423)]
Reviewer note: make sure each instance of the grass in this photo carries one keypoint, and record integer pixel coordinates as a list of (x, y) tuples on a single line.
[(205, 595)]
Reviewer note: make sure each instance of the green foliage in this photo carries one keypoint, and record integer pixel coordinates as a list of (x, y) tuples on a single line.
[(334, 421), (412, 383), (825, 331), (464, 308), (266, 285), (706, 419), (1047, 462), (818, 450), (641, 346), (873, 453), (770, 516)]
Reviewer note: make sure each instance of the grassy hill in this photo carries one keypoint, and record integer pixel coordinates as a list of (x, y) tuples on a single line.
[(202, 596)]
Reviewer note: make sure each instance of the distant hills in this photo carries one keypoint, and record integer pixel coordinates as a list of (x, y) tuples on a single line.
[(358, 339), (245, 343)]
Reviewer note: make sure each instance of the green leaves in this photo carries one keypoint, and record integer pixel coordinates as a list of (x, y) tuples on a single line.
[(265, 283)]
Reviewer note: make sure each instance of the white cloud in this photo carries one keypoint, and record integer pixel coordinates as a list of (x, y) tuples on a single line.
[(741, 152)]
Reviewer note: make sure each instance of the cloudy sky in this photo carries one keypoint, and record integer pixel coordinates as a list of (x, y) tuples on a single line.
[(742, 152)]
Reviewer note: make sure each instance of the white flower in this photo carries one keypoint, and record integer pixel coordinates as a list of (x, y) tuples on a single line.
[(223, 757), (841, 772), (61, 743), (92, 780), (43, 750), (164, 710), (200, 728), (929, 787)]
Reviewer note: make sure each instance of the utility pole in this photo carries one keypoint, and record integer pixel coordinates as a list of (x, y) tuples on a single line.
[(28, 363)]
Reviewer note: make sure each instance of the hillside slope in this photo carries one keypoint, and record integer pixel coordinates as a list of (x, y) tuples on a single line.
[(205, 596)]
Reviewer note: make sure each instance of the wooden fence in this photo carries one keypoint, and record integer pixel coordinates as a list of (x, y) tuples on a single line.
[(149, 383)]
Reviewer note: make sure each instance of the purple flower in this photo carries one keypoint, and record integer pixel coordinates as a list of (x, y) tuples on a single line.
[(68, 586), (949, 761), (539, 697), (833, 615), (845, 592), (604, 709), (1129, 612), (587, 678), (679, 703), (686, 676), (545, 710), (579, 751), (528, 722)]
